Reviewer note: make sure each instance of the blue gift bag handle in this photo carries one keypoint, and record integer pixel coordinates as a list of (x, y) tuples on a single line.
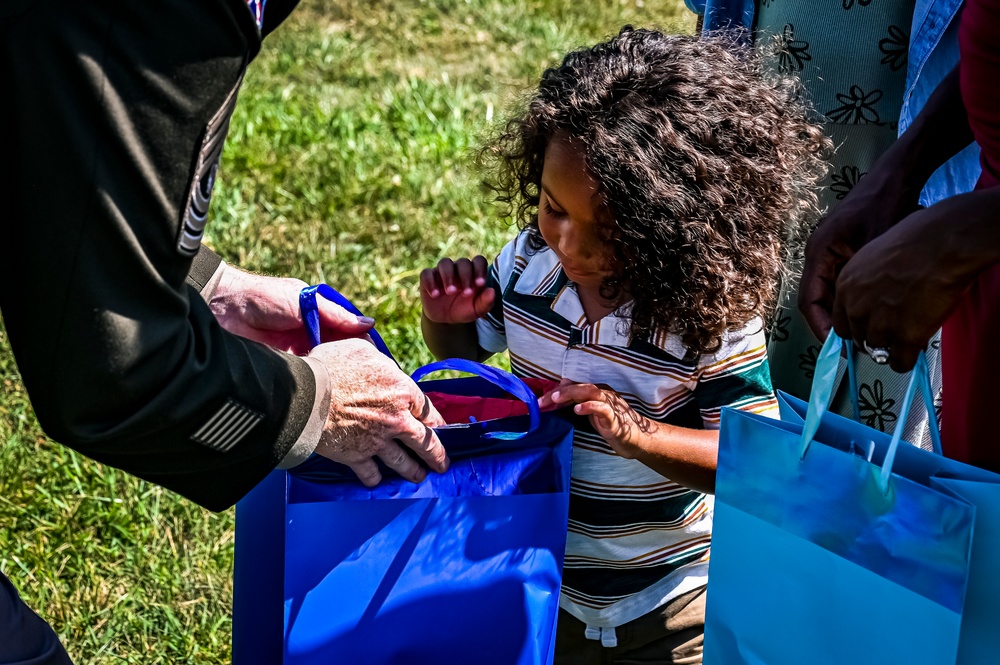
[(824, 382), (501, 379), (926, 390), (310, 313)]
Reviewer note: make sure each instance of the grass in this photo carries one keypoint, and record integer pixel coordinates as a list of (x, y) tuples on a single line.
[(348, 161)]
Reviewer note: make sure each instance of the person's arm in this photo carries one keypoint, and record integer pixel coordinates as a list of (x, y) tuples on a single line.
[(899, 289), (266, 309), (887, 194), (455, 295), (684, 455), (123, 360), (736, 376)]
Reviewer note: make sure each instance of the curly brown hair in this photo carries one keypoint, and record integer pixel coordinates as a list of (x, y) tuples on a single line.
[(705, 164)]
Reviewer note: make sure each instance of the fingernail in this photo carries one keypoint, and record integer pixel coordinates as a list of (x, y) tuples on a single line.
[(555, 396), (367, 320), (578, 408), (435, 293), (467, 292), (451, 290)]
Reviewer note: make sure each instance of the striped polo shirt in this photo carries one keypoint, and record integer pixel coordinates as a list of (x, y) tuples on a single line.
[(636, 539)]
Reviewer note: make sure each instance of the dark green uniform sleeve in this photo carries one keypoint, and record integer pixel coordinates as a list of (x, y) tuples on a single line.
[(114, 115)]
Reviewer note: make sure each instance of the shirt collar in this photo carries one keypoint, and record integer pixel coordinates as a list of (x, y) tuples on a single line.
[(543, 277)]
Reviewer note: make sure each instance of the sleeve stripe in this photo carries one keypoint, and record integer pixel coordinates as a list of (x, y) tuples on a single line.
[(736, 363), (227, 426)]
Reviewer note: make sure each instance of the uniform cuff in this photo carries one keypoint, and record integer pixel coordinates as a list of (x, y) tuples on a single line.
[(205, 266), (213, 283), (306, 444)]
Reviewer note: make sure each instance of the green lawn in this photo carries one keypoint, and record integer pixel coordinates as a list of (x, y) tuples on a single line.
[(348, 161)]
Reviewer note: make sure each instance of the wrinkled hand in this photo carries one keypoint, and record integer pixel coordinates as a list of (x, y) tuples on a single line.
[(877, 202), (607, 411), (375, 409), (266, 309), (456, 291)]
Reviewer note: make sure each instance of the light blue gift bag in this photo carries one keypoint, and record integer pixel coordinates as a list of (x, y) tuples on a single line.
[(835, 544)]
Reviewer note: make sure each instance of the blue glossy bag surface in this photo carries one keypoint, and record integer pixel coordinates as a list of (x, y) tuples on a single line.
[(462, 568), (835, 544)]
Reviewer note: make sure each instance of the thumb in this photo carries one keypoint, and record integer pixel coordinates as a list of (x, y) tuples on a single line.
[(484, 302), (333, 317)]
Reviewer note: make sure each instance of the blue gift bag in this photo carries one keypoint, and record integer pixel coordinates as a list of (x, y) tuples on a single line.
[(462, 568), (835, 544)]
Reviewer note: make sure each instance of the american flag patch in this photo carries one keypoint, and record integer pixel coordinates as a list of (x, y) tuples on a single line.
[(257, 10), (227, 427)]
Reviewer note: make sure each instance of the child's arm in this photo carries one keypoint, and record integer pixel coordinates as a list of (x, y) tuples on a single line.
[(454, 295), (686, 456)]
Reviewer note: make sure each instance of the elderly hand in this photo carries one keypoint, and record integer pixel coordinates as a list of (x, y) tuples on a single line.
[(266, 309), (375, 409)]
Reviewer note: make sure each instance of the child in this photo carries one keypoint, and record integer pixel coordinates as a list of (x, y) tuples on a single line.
[(654, 177)]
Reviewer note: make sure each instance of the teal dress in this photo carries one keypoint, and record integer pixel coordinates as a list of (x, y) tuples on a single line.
[(851, 57)]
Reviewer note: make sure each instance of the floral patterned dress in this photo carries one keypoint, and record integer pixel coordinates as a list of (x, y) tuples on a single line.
[(851, 57)]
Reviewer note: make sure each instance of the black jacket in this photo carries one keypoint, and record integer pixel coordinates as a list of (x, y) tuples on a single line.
[(113, 116)]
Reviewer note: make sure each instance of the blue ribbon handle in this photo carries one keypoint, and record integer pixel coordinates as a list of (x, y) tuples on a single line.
[(824, 382), (923, 371), (310, 314), (501, 379)]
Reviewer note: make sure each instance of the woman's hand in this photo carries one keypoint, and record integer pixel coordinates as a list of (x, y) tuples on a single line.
[(456, 291), (889, 193), (266, 309)]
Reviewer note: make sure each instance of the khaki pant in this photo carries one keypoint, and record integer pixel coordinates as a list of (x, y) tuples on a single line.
[(673, 633)]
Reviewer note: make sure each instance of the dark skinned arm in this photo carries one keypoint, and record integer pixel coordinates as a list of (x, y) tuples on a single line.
[(454, 296), (900, 288), (686, 456), (886, 195)]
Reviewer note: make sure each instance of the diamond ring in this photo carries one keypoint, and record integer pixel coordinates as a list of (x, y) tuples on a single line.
[(879, 354)]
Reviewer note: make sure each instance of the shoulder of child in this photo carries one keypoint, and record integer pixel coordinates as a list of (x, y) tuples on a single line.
[(749, 340)]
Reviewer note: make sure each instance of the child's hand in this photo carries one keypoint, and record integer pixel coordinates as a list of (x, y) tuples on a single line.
[(612, 417), (455, 291)]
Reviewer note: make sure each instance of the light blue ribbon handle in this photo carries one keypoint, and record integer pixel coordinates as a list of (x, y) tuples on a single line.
[(824, 382), (501, 379), (310, 313), (852, 378), (823, 385), (922, 370), (919, 378)]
